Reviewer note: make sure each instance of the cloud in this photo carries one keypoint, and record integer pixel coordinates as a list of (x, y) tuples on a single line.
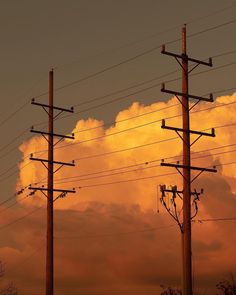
[(109, 239)]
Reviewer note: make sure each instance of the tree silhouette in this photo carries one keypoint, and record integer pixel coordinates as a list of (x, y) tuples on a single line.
[(170, 291), (10, 289), (227, 287)]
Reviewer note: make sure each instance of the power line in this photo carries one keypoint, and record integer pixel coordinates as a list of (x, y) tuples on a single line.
[(13, 204), (14, 113), (215, 219), (13, 173), (139, 168), (11, 115), (14, 139), (120, 233), (123, 181), (148, 51), (211, 14), (143, 114), (126, 119), (102, 71), (113, 93), (121, 131), (20, 218), (137, 126), (154, 35), (87, 101), (212, 28), (143, 230), (144, 163), (139, 91), (140, 178), (114, 122), (94, 236)]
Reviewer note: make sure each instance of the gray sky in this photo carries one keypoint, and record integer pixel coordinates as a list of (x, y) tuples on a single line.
[(82, 37)]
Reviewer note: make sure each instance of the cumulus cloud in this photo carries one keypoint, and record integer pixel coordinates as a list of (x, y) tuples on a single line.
[(109, 239)]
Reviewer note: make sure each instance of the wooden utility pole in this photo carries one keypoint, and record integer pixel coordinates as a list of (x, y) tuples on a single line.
[(50, 254), (49, 136), (186, 236), (184, 133)]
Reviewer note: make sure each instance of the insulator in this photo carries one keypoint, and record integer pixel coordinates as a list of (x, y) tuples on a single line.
[(163, 123), (163, 48), (174, 188)]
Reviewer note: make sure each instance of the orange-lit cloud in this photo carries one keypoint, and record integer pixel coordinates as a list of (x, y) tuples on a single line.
[(140, 192), (110, 238)]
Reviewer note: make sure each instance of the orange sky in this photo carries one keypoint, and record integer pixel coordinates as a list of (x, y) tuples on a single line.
[(111, 237)]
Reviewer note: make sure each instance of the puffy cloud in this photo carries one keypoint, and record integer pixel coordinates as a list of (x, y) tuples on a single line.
[(109, 238)]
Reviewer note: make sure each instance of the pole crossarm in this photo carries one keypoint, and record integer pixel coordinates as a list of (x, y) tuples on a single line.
[(210, 99), (53, 134), (54, 162), (165, 190), (178, 166), (71, 110), (185, 57), (54, 190), (212, 134)]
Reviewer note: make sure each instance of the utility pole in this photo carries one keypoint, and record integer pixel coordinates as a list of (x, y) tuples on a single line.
[(185, 168), (49, 191)]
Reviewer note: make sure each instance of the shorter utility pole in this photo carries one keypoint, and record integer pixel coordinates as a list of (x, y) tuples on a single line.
[(50, 190), (188, 197)]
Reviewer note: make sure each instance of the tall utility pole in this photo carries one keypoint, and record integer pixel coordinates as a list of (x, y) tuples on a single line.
[(49, 136), (185, 168)]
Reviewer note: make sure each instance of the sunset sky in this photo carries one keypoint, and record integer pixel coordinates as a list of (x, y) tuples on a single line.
[(113, 236)]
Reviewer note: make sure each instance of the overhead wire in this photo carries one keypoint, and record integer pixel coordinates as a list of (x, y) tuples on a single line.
[(137, 126), (143, 114), (147, 162), (94, 99), (138, 92), (138, 169), (139, 178), (220, 66), (118, 234), (143, 230), (154, 35), (1, 123), (148, 51), (121, 131), (20, 218)]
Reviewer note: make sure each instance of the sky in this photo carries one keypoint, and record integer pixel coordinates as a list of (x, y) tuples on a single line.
[(113, 235)]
